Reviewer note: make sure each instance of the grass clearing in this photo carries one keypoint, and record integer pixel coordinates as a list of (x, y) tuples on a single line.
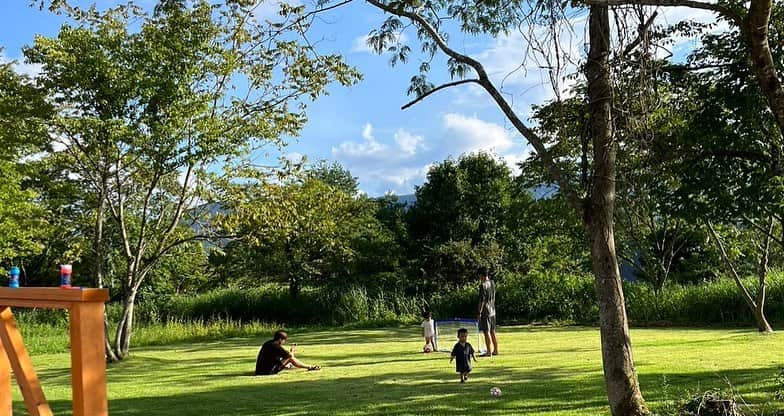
[(541, 371)]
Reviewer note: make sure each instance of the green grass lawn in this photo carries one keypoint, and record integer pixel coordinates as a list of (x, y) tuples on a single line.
[(541, 371)]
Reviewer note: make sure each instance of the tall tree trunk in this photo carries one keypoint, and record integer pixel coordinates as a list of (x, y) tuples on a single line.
[(755, 307), (763, 271), (756, 32), (620, 378), (100, 220), (122, 339), (100, 253), (294, 286), (294, 280)]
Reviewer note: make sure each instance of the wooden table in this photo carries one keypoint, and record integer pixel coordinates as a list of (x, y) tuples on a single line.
[(88, 355)]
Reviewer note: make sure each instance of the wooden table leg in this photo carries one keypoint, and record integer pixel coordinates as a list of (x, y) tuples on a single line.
[(88, 360), (23, 368), (5, 379)]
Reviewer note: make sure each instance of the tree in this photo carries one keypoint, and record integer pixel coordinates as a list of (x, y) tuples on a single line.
[(148, 102), (728, 159), (302, 232), (595, 201), (459, 220), (335, 175), (24, 222), (753, 20)]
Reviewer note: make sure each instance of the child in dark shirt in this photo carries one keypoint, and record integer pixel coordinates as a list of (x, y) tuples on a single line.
[(463, 352)]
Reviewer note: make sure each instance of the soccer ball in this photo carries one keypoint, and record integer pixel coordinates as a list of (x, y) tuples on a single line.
[(427, 348), (495, 392)]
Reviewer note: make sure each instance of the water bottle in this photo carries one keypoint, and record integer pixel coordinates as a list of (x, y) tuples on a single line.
[(65, 276), (13, 280)]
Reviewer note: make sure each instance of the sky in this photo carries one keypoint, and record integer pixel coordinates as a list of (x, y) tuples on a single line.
[(363, 127)]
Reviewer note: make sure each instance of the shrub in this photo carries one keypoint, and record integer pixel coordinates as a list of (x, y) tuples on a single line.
[(275, 304)]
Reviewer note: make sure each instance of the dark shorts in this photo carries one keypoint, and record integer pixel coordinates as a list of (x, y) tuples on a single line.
[(486, 323), (277, 368)]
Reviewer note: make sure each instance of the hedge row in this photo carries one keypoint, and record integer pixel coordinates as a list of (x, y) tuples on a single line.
[(539, 297)]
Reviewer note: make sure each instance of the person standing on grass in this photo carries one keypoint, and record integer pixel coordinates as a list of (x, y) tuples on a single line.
[(487, 312), (429, 332), (273, 358), (462, 352)]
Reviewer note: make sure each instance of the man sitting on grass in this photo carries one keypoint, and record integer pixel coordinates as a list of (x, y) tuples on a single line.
[(273, 357)]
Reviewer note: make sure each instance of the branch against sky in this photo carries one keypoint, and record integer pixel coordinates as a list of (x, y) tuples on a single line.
[(429, 30), (720, 8)]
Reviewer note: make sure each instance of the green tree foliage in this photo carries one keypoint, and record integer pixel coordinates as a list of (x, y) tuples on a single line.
[(335, 175), (146, 103), (24, 221), (459, 220), (726, 162), (306, 232)]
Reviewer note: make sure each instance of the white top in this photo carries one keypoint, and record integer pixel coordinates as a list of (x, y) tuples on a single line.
[(430, 331)]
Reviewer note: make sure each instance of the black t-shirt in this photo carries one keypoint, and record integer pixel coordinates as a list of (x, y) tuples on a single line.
[(462, 354), (270, 357)]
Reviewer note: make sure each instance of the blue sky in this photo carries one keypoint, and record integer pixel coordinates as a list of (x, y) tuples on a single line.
[(363, 127)]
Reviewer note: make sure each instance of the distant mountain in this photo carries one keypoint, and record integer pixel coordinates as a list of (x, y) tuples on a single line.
[(539, 192), (408, 200)]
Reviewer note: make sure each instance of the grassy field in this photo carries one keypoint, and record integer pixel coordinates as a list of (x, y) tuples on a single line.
[(541, 371)]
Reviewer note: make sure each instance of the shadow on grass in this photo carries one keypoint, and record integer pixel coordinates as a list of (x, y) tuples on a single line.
[(389, 394), (224, 387), (334, 391)]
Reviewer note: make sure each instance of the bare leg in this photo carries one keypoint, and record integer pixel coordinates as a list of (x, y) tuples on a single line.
[(487, 344), (495, 343), (293, 361)]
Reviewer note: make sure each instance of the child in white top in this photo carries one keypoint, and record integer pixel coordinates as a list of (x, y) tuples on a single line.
[(429, 331)]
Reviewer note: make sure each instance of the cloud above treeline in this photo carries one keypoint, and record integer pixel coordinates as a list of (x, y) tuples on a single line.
[(397, 160)]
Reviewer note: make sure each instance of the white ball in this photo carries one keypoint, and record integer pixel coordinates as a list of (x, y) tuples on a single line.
[(495, 392)]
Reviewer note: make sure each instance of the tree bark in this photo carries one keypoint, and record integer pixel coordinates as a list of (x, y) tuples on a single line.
[(756, 32), (122, 340), (763, 275), (620, 377)]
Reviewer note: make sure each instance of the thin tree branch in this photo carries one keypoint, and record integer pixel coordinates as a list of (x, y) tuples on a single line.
[(714, 7), (746, 295), (440, 87), (759, 228), (484, 80), (643, 28)]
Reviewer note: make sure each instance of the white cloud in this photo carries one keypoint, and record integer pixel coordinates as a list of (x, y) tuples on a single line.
[(470, 134), (405, 178), (20, 67), (389, 163), (368, 149), (367, 131), (295, 157), (512, 159), (407, 142), (398, 161)]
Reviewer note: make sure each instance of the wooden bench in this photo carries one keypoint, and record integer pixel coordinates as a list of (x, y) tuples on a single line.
[(88, 355)]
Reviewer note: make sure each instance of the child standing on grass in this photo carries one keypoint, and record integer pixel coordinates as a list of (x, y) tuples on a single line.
[(463, 352), (429, 332)]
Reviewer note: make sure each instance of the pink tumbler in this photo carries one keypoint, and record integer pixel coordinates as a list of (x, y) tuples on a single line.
[(65, 276)]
